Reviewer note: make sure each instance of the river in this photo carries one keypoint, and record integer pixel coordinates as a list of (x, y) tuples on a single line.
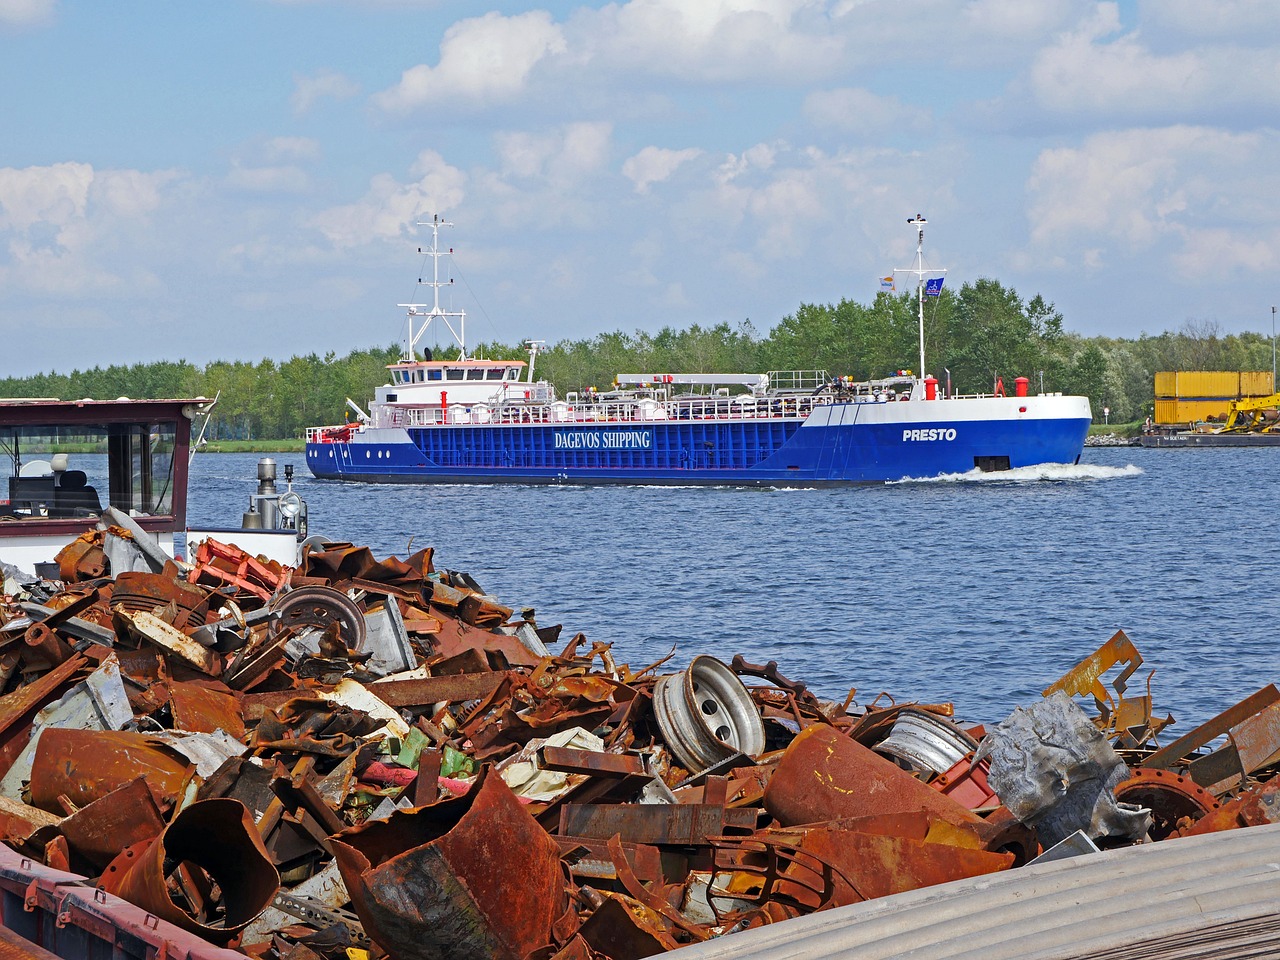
[(979, 591)]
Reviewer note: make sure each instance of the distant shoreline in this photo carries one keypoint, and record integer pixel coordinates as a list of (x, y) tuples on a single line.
[(253, 446)]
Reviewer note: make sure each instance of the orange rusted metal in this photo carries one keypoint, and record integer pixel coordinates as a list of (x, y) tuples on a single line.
[(824, 775), (1174, 801), (211, 842), (123, 817), (86, 765), (435, 882)]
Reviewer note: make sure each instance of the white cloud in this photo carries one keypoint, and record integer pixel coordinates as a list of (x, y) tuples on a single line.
[(558, 155), (59, 221), (482, 60), (274, 165), (1085, 73), (27, 12), (291, 148), (286, 178), (56, 194), (1016, 20), (713, 40), (852, 109), (1241, 20), (655, 164), (389, 208), (327, 83), (1207, 195)]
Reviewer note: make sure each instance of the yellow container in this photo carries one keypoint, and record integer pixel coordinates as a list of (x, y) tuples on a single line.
[(1166, 383), (1208, 383), (1256, 383), (1189, 411)]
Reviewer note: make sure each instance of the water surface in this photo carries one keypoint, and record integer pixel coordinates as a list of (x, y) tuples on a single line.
[(979, 591)]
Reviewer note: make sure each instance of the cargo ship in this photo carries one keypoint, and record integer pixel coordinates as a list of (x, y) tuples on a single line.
[(473, 420)]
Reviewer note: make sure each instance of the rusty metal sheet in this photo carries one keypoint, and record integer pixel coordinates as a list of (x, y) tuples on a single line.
[(86, 765), (483, 612), (589, 857), (1085, 678), (1257, 739), (449, 689), (19, 820), (455, 637), (688, 824), (592, 762), (18, 709), (874, 857), (1258, 805), (212, 859), (1212, 729), (136, 591), (147, 626), (200, 709), (123, 817), (624, 929), (883, 865), (824, 775), (434, 882)]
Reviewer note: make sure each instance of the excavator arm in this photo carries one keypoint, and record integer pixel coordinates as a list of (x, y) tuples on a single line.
[(1247, 415)]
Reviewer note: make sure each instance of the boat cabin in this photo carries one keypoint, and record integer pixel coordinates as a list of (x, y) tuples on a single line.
[(458, 381), (65, 461)]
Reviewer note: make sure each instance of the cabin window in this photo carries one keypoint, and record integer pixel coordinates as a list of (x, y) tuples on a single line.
[(475, 374), (62, 471), (453, 374), (433, 374), (495, 373), (513, 373)]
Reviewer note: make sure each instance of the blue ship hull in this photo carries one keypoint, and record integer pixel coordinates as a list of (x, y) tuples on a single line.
[(842, 443)]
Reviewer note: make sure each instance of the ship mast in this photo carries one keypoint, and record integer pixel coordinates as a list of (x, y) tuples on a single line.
[(918, 221), (419, 310)]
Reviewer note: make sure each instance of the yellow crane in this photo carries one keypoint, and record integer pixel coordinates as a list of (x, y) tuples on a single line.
[(1253, 415)]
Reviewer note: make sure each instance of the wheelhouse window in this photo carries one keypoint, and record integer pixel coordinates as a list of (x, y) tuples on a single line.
[(453, 374), (67, 471), (475, 373), (495, 373)]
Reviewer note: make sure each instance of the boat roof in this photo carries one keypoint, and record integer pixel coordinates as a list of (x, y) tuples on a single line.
[(441, 364), (18, 411)]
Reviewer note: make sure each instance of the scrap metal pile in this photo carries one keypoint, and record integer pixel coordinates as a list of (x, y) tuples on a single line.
[(364, 755)]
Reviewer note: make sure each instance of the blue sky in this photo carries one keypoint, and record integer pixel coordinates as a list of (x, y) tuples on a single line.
[(241, 179)]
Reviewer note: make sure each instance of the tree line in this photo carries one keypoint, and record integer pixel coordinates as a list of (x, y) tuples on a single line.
[(980, 333)]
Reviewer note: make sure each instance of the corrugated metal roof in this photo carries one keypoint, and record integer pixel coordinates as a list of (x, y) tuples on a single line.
[(1215, 897)]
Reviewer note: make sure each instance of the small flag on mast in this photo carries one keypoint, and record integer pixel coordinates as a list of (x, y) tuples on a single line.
[(933, 287), (886, 283)]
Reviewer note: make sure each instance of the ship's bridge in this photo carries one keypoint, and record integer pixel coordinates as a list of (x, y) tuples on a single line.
[(460, 381)]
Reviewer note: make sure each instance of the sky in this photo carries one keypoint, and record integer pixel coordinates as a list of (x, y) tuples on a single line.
[(243, 179)]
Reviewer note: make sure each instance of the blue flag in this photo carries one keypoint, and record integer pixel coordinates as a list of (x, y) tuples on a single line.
[(933, 287)]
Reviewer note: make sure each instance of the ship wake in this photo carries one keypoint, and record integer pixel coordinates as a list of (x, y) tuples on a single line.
[(1053, 472)]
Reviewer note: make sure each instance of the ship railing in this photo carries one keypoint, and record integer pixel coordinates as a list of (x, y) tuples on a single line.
[(793, 381), (333, 433), (629, 410)]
